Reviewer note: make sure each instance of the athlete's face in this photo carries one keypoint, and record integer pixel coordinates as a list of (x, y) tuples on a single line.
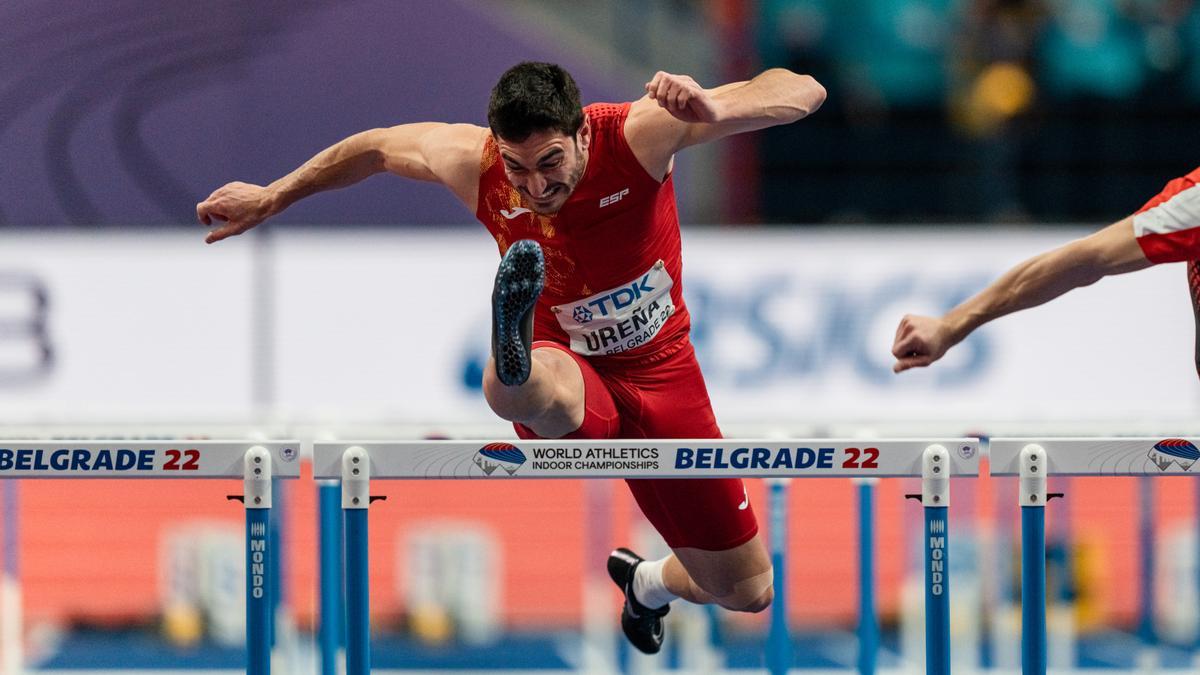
[(546, 167)]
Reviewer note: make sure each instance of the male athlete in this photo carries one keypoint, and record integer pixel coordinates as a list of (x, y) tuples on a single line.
[(589, 328), (1166, 229)]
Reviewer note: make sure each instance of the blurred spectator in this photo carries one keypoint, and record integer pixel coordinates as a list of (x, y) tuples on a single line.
[(959, 110), (993, 86), (990, 63), (1092, 48)]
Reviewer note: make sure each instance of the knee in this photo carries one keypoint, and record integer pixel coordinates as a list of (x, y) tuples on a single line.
[(752, 595), (747, 602), (762, 602), (507, 402)]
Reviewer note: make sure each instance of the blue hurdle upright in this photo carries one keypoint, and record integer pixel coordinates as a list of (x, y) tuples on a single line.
[(868, 618), (779, 639), (329, 531)]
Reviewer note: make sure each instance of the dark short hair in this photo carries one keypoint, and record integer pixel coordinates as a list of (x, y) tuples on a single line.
[(531, 97)]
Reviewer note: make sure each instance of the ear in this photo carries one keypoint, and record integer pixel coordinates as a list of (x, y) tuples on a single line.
[(584, 136)]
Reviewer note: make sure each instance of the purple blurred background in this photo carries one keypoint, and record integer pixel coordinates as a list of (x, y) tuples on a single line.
[(125, 112)]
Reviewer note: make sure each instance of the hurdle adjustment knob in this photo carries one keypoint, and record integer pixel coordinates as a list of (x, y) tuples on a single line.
[(1033, 476), (356, 478), (257, 483), (935, 476)]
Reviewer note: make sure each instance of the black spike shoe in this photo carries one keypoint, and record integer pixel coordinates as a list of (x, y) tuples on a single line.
[(519, 282), (642, 625)]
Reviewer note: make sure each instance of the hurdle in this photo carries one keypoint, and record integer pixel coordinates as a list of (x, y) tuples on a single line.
[(356, 464), (1034, 460), (255, 462)]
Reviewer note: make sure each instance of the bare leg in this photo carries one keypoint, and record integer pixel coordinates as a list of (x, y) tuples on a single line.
[(550, 402), (738, 579)]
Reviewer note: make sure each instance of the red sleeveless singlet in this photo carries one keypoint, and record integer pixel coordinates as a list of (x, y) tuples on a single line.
[(613, 265)]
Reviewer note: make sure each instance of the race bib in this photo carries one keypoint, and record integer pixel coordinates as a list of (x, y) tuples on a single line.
[(621, 318)]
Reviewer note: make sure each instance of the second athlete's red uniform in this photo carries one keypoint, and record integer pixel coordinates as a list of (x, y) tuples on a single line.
[(613, 300), (1168, 230)]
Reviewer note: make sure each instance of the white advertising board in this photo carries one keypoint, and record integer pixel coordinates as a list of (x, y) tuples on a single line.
[(803, 325), (792, 327), (137, 323)]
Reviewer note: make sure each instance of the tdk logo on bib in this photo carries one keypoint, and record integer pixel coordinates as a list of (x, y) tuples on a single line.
[(621, 318), (618, 299)]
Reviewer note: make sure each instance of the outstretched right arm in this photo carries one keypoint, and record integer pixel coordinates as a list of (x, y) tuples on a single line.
[(442, 153)]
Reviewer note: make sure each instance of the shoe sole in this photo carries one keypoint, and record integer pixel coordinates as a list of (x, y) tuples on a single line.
[(519, 283)]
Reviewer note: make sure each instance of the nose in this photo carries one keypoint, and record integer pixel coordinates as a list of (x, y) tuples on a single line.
[(536, 184)]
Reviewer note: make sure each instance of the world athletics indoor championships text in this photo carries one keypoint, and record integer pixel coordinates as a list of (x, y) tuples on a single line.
[(596, 459)]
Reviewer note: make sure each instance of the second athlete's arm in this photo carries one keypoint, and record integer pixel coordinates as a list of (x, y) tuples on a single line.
[(921, 340), (428, 151)]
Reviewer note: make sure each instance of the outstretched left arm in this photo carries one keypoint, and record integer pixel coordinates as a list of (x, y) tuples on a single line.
[(921, 340), (677, 112)]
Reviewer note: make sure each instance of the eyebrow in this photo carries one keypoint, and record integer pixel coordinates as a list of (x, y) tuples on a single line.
[(549, 155), (541, 160)]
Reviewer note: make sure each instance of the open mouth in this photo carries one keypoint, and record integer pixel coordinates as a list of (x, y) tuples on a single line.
[(547, 197)]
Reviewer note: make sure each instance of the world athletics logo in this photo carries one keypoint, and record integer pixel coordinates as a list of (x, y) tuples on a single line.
[(1175, 450), (499, 455)]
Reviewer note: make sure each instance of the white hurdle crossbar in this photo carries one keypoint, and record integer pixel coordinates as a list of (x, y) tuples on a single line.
[(255, 462), (934, 460), (1034, 460)]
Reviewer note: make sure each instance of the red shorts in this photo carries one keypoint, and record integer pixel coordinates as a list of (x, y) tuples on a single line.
[(664, 399)]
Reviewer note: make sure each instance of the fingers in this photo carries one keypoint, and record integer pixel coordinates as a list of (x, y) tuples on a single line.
[(908, 347), (209, 212), (658, 85), (673, 92), (909, 341), (206, 209), (202, 213), (224, 232), (217, 235), (682, 98), (908, 362), (664, 91)]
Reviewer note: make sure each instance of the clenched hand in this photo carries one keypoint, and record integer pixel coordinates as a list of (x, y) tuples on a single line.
[(240, 206), (920, 340), (681, 96)]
